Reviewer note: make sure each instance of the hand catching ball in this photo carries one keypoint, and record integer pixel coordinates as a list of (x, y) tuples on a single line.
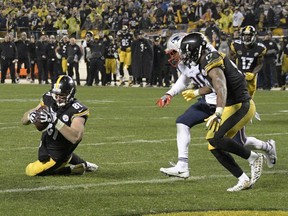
[(38, 124)]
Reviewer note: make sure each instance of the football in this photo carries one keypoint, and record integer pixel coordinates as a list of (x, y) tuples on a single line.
[(38, 124)]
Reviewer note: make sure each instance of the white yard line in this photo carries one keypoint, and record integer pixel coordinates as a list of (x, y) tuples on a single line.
[(140, 141), (121, 183)]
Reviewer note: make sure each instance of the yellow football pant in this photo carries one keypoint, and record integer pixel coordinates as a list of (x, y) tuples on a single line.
[(64, 65), (110, 65), (252, 86), (125, 57), (227, 117), (38, 167)]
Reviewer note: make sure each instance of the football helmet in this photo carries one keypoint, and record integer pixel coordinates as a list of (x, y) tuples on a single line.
[(191, 48), (173, 48), (248, 35), (124, 28), (89, 36), (63, 90)]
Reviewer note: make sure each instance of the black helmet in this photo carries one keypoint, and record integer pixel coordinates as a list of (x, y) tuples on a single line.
[(248, 35), (89, 34), (64, 88), (124, 28), (191, 47)]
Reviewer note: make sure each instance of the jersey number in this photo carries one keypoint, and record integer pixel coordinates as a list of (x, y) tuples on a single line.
[(125, 42), (246, 62), (198, 80)]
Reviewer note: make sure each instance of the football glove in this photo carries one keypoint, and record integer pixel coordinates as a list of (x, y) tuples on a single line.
[(164, 100), (46, 116), (249, 76), (190, 94), (32, 116), (213, 122)]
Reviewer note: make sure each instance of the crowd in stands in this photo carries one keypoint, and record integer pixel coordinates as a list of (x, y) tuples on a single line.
[(76, 17), (220, 20)]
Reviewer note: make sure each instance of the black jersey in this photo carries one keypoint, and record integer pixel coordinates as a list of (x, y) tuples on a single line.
[(125, 40), (110, 50), (53, 143), (236, 85), (247, 58), (63, 49)]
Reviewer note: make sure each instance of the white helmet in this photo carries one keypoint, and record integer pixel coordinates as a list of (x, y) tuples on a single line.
[(173, 48)]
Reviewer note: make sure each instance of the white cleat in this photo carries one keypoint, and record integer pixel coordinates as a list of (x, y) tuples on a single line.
[(271, 155), (241, 185), (257, 116), (256, 169), (176, 172), (91, 167)]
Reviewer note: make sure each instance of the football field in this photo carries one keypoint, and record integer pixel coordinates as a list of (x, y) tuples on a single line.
[(130, 138)]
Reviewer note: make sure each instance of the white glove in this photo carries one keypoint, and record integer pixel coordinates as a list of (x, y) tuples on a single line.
[(32, 116), (46, 116)]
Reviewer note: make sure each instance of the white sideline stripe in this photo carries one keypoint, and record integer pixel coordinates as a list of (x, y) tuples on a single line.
[(152, 181)]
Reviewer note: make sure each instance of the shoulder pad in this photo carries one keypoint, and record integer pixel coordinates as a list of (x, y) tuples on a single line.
[(81, 109), (212, 56), (261, 45), (213, 59)]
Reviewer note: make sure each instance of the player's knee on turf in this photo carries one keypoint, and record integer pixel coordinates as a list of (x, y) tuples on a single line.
[(38, 167), (31, 170)]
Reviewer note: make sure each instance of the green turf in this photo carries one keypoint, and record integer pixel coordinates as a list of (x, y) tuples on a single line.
[(130, 139)]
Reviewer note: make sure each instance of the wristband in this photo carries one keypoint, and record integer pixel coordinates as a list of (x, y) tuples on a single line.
[(219, 111), (196, 93), (59, 125)]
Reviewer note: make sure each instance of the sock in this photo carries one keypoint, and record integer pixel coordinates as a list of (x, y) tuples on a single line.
[(243, 177), (256, 143), (183, 141), (253, 156)]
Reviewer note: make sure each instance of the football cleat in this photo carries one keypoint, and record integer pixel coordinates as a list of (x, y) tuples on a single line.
[(257, 116), (91, 167), (271, 155), (256, 168), (241, 185), (78, 169), (176, 172)]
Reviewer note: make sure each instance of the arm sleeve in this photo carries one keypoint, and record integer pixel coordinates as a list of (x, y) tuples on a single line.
[(181, 83)]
